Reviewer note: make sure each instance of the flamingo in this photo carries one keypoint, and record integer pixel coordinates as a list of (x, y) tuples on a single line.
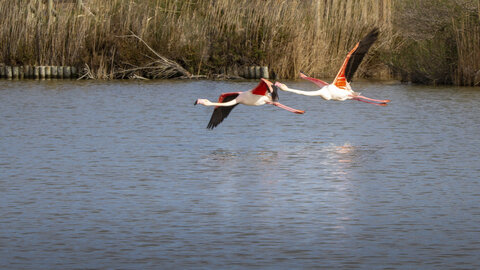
[(340, 89), (264, 93)]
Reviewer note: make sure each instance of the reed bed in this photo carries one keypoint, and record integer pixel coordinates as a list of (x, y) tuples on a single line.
[(438, 41), (168, 38), (467, 38)]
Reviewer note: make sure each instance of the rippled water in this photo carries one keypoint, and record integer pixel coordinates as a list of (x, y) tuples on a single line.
[(125, 175)]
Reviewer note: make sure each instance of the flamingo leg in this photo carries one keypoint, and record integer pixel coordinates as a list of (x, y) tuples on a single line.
[(286, 107), (371, 99), (374, 103)]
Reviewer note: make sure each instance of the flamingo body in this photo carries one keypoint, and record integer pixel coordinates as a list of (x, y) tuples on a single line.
[(264, 93), (340, 89), (250, 99)]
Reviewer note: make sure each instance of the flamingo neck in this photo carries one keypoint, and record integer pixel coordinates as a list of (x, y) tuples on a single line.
[(206, 102)]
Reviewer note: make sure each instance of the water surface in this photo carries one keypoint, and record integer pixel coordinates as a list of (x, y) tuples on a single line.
[(125, 175)]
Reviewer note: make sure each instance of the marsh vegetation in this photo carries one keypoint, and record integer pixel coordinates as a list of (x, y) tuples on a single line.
[(427, 41)]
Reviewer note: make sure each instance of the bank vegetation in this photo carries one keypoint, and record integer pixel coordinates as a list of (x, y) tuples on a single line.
[(423, 41)]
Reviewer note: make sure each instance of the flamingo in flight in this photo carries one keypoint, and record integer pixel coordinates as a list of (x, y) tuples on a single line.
[(264, 93), (340, 89)]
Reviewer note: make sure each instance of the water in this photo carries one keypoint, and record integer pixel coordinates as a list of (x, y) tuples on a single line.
[(125, 175)]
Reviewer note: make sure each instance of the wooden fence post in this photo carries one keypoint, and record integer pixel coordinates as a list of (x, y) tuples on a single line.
[(15, 72), (264, 72), (8, 72)]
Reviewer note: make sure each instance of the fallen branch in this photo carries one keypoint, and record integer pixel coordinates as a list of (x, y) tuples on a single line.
[(86, 73), (161, 68)]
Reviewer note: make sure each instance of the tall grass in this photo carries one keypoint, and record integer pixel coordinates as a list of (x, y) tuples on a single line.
[(213, 36), (203, 36), (438, 41), (467, 38)]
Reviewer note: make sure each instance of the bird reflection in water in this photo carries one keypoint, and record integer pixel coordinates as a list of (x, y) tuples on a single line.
[(345, 152), (341, 158)]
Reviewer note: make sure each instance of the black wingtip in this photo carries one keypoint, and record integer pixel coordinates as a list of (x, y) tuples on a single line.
[(274, 93), (196, 102), (212, 125)]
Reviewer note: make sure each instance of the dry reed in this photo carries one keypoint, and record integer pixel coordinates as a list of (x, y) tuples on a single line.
[(439, 41), (205, 37)]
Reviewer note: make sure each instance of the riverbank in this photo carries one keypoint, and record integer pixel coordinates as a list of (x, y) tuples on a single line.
[(182, 38)]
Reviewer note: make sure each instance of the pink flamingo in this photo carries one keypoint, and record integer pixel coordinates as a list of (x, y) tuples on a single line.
[(340, 89), (264, 93)]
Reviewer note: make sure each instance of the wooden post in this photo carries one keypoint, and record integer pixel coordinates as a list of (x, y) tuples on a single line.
[(240, 73), (67, 72), (29, 72), (245, 72), (60, 72), (8, 72), (257, 72), (54, 70), (26, 69), (48, 72), (264, 72), (15, 72), (36, 72), (74, 72), (251, 72), (42, 72)]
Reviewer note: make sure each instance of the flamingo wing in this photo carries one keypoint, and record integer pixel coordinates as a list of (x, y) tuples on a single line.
[(262, 88), (220, 113), (354, 58), (315, 81)]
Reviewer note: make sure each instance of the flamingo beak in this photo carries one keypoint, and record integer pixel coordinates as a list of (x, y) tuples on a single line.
[(196, 102)]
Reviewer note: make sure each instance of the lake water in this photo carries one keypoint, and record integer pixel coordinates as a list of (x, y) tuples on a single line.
[(125, 175)]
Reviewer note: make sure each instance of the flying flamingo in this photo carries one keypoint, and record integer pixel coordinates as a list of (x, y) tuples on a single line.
[(264, 93), (340, 89)]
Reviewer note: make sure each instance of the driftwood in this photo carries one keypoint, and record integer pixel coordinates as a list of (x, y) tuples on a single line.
[(86, 73), (224, 77), (160, 68)]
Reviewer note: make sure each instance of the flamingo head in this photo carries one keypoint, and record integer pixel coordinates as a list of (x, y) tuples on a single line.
[(200, 101)]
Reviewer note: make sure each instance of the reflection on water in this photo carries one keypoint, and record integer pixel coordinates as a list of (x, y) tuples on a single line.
[(352, 155), (125, 175)]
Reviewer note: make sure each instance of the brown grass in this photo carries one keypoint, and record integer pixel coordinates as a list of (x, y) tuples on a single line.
[(206, 37), (467, 38), (439, 41)]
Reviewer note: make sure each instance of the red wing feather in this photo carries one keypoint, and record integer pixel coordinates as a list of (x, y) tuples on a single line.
[(354, 58), (262, 88), (225, 97), (340, 80)]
